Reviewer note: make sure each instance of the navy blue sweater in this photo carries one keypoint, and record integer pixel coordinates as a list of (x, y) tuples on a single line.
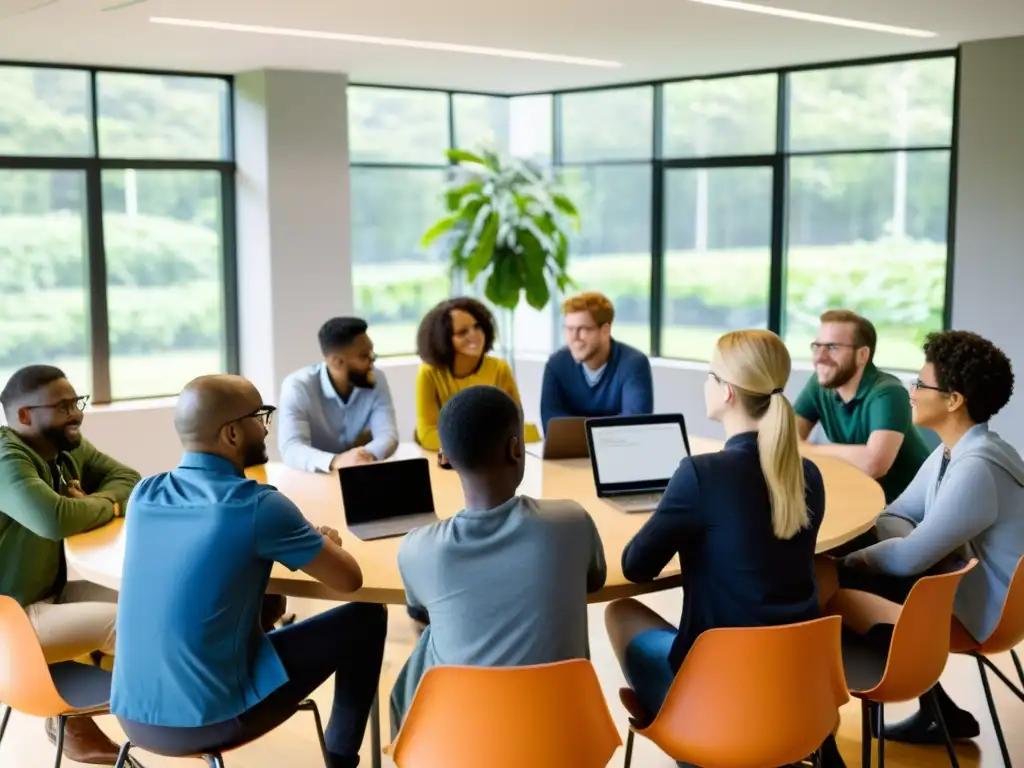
[(625, 388), (717, 515)]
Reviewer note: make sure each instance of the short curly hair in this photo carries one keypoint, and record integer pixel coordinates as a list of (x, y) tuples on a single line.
[(973, 366), (434, 337)]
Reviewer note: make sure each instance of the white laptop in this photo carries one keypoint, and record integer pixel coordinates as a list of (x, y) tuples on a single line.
[(387, 498), (634, 457)]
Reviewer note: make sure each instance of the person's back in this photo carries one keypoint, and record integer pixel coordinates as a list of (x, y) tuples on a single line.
[(736, 571), (505, 581)]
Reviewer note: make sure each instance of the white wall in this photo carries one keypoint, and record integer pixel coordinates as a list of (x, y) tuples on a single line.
[(294, 249)]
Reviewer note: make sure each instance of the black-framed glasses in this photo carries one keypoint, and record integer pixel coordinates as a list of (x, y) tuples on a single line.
[(831, 346), (65, 407), (918, 384), (264, 414)]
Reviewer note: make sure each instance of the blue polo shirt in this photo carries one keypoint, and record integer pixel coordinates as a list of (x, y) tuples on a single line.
[(199, 546)]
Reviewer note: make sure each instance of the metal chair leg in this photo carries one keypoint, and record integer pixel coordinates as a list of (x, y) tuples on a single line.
[(215, 760), (122, 756), (866, 714), (629, 748), (3, 723), (933, 697), (992, 711), (61, 722), (310, 706), (1016, 663), (881, 734)]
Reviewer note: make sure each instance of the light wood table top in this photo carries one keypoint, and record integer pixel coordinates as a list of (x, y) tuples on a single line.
[(853, 501)]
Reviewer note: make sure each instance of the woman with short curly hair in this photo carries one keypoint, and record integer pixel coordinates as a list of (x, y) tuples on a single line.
[(966, 501), (454, 342)]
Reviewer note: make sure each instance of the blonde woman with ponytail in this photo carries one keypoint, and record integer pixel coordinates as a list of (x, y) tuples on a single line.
[(743, 521)]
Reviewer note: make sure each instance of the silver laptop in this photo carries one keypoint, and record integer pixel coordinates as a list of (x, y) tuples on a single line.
[(387, 498), (634, 457), (565, 438)]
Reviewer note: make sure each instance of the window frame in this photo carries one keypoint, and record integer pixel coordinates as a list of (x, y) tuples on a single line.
[(93, 166)]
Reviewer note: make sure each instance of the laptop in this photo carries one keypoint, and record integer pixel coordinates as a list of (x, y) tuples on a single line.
[(566, 438), (634, 457), (387, 498)]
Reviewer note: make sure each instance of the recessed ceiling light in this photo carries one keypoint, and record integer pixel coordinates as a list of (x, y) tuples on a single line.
[(392, 41), (816, 17)]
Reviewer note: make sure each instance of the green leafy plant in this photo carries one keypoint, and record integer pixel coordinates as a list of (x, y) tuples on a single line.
[(506, 220)]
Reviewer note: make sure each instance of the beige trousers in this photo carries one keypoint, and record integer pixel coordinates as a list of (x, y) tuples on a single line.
[(76, 622)]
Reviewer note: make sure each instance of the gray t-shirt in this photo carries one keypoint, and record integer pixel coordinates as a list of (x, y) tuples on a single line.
[(503, 587)]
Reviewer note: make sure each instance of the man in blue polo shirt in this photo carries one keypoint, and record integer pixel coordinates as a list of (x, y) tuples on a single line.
[(195, 673), (339, 412), (594, 375)]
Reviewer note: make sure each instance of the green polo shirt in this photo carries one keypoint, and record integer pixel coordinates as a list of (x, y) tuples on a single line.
[(881, 402), (36, 514)]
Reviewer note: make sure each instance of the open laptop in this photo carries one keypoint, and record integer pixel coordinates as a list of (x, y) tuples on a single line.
[(566, 438), (634, 457), (387, 498)]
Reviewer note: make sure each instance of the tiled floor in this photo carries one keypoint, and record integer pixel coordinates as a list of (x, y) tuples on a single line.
[(294, 744)]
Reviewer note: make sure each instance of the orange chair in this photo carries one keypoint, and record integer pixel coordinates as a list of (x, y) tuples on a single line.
[(31, 686), (542, 716), (1009, 632), (904, 659), (756, 697)]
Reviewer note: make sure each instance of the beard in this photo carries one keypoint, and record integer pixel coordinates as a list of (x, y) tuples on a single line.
[(59, 438), (839, 375), (363, 379), (255, 454)]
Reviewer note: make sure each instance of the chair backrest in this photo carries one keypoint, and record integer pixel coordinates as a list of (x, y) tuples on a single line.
[(920, 639), (1009, 631), (542, 716), (25, 682), (754, 697)]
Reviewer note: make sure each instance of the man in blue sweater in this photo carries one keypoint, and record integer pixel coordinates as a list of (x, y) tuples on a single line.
[(594, 375)]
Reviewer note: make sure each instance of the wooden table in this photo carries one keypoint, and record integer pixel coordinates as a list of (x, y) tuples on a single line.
[(853, 500)]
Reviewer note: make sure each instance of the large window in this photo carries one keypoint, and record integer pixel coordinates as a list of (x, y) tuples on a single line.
[(707, 205), (114, 260)]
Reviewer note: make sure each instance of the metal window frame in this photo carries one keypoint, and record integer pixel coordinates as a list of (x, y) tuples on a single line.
[(92, 167)]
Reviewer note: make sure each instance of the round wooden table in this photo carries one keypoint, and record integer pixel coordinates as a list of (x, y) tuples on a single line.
[(853, 501)]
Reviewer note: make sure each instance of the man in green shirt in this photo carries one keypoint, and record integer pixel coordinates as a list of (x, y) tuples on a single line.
[(864, 412), (54, 484)]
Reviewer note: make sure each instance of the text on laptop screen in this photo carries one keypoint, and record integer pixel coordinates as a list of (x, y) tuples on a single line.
[(386, 489), (635, 453)]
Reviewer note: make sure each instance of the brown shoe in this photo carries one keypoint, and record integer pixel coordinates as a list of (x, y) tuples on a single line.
[(84, 742)]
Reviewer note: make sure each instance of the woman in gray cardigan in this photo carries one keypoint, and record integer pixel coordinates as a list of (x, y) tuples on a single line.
[(966, 501)]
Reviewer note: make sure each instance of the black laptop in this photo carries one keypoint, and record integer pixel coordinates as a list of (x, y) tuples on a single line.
[(387, 498)]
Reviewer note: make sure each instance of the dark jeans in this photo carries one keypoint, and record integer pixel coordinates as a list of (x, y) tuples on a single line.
[(346, 641)]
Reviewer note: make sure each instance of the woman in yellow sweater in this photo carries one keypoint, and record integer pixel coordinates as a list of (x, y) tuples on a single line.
[(453, 342)]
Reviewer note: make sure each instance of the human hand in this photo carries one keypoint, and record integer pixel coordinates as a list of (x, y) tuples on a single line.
[(75, 490), (330, 533), (352, 458)]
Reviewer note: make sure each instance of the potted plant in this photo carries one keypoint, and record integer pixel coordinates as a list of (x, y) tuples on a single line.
[(506, 222)]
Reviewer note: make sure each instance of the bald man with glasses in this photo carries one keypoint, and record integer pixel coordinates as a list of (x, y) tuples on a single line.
[(54, 484)]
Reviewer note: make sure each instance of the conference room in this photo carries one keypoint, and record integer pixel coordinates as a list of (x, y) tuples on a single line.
[(194, 188)]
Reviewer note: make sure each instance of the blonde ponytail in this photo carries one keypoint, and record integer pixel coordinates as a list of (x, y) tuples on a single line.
[(757, 364), (783, 467)]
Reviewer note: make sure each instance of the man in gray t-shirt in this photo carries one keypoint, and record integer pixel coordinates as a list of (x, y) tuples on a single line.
[(505, 581)]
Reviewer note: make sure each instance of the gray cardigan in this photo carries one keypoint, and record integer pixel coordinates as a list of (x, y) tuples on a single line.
[(976, 510)]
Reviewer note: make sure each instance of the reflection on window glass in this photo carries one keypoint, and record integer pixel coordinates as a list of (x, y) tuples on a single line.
[(481, 121), (612, 251), (162, 116), (44, 112), (44, 311), (530, 132), (395, 280), (164, 238), (878, 106), (723, 116), (391, 125), (718, 231), (868, 232), (607, 125)]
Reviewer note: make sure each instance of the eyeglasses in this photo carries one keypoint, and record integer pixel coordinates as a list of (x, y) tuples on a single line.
[(264, 414), (579, 330), (918, 384), (830, 346), (65, 407)]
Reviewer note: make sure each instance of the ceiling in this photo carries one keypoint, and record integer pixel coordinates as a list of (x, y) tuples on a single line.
[(650, 38)]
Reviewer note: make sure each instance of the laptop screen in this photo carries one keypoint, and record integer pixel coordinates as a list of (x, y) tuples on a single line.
[(386, 489), (637, 455)]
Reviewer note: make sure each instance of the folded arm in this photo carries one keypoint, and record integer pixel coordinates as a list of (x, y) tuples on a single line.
[(428, 409), (383, 423), (552, 399), (102, 475), (638, 390)]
